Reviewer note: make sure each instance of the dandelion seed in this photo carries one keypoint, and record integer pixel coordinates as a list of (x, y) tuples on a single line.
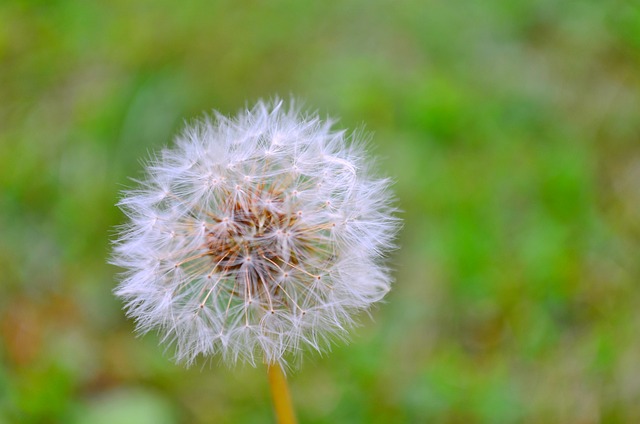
[(255, 236)]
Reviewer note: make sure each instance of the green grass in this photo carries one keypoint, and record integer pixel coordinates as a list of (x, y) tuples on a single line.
[(511, 128)]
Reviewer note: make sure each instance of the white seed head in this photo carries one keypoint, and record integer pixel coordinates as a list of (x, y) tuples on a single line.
[(255, 237)]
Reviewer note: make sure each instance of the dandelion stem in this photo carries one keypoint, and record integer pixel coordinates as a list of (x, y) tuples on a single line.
[(280, 392)]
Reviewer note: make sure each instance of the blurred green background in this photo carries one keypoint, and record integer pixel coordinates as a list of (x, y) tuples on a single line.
[(512, 129)]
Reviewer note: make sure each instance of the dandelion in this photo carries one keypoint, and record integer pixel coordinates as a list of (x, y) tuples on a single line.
[(255, 237)]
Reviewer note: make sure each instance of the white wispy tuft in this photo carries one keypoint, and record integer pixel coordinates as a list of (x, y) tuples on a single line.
[(255, 237)]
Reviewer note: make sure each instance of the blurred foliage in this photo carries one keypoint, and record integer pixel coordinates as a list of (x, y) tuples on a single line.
[(512, 129)]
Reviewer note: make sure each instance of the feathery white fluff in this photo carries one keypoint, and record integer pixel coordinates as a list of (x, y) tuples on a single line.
[(254, 237)]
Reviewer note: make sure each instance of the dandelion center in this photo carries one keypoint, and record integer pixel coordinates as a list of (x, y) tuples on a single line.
[(249, 233), (257, 243)]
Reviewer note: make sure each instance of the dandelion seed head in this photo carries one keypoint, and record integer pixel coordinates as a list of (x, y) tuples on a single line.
[(255, 237)]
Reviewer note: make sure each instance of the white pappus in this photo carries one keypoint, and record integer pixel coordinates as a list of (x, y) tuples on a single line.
[(254, 237)]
